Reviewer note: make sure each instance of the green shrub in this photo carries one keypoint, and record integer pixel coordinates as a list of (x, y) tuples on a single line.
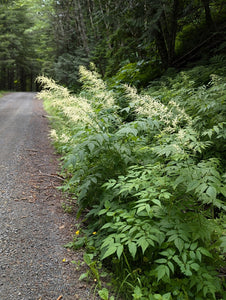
[(154, 187)]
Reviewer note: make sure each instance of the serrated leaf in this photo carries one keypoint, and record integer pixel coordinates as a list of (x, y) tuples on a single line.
[(178, 181), (198, 255), (102, 211), (132, 249), (179, 243), (141, 208), (161, 261), (211, 191), (188, 272), (184, 257), (223, 191), (143, 244), (111, 250), (194, 246), (91, 146), (192, 186), (107, 225), (192, 255), (166, 296), (119, 251), (172, 237), (223, 243), (157, 202), (100, 139), (127, 130), (195, 266), (201, 189), (205, 252), (171, 266), (161, 271)]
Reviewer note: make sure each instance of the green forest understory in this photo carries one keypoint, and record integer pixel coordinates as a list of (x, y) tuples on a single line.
[(136, 96), (147, 172)]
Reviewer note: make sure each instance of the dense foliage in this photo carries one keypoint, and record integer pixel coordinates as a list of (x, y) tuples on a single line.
[(138, 40), (25, 44), (16, 50), (148, 172), (146, 166)]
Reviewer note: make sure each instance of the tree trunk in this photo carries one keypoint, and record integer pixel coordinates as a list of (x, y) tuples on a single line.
[(173, 32), (209, 20), (22, 79), (161, 45), (81, 26), (3, 78)]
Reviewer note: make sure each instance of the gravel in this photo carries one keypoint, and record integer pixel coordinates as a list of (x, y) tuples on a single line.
[(34, 265)]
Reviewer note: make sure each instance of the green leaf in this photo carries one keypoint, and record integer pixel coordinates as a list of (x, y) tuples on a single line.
[(87, 258), (166, 296), (195, 266), (179, 243), (127, 130), (104, 294), (211, 191), (91, 146), (137, 293), (161, 261), (102, 211), (119, 251), (184, 257), (161, 271), (132, 249), (111, 250), (171, 266), (188, 272), (69, 245), (193, 246), (223, 191), (100, 139), (83, 276), (199, 255), (143, 244), (192, 186), (205, 251), (192, 255), (157, 202)]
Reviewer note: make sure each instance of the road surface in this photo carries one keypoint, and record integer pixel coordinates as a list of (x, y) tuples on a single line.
[(33, 228)]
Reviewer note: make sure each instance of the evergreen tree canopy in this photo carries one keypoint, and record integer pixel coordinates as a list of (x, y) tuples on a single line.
[(138, 39)]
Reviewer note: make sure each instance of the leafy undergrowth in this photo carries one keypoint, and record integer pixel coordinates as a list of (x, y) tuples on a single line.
[(147, 171)]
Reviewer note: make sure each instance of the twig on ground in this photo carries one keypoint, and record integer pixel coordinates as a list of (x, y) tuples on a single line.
[(32, 150), (51, 175)]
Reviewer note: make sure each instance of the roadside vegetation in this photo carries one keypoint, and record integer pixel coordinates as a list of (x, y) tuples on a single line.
[(147, 170), (135, 92)]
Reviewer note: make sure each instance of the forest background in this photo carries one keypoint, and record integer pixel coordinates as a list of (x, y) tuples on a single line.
[(140, 38), (138, 116)]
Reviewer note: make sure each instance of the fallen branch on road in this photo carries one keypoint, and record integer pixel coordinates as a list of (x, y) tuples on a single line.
[(51, 175)]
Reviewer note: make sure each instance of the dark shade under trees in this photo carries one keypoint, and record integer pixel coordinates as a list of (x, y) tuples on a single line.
[(143, 37)]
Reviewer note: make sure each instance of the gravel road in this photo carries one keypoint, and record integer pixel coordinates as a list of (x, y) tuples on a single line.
[(34, 265)]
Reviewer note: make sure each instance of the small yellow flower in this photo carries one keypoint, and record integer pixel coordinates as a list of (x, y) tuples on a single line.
[(77, 232), (64, 260), (94, 232)]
